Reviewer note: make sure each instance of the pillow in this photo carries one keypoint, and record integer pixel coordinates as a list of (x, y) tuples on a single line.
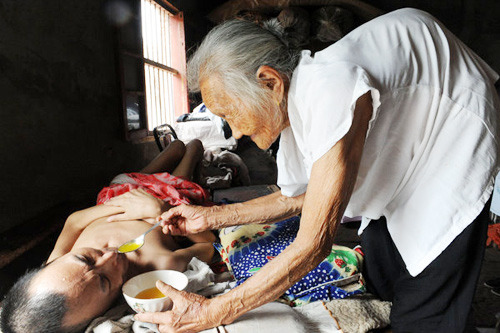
[(247, 248)]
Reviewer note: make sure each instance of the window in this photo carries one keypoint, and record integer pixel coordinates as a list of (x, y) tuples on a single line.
[(152, 67)]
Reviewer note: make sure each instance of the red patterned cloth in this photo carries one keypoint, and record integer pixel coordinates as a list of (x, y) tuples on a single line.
[(171, 189), (493, 235)]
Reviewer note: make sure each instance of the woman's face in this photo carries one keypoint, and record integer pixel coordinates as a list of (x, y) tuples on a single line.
[(242, 122), (90, 278)]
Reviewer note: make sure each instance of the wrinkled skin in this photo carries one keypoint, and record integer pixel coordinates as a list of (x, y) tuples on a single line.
[(178, 216), (262, 127), (190, 312), (321, 211)]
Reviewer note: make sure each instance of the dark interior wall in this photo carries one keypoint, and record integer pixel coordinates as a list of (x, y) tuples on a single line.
[(476, 22), (196, 26), (60, 133), (195, 19)]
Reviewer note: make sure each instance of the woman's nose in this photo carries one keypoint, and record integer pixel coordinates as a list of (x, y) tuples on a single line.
[(236, 134)]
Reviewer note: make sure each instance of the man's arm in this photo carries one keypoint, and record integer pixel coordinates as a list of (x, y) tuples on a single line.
[(75, 224)]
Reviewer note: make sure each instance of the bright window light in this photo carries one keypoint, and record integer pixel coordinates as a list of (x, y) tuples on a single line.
[(158, 61)]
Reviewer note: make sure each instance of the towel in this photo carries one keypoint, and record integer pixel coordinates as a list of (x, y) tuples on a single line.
[(279, 317), (169, 188), (360, 313), (270, 318)]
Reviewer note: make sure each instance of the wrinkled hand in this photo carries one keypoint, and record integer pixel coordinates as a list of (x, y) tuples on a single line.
[(185, 219), (137, 204), (190, 312)]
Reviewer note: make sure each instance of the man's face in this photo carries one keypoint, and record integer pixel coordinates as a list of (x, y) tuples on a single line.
[(91, 279)]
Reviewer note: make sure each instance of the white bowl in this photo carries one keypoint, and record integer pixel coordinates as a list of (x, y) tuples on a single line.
[(148, 280)]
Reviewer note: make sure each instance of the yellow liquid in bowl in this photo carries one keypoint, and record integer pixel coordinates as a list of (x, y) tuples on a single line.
[(150, 293)]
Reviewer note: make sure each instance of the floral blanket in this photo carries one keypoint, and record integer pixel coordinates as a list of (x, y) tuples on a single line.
[(246, 249)]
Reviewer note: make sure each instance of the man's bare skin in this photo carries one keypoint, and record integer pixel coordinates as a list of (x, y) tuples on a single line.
[(84, 264)]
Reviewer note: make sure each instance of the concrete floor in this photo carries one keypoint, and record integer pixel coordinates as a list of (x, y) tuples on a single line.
[(486, 305)]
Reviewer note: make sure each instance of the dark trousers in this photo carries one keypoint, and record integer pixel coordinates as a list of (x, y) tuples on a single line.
[(438, 299)]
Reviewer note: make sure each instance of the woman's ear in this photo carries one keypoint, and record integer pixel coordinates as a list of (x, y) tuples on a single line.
[(272, 79)]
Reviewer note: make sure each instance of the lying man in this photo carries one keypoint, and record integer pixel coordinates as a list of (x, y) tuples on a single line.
[(84, 273)]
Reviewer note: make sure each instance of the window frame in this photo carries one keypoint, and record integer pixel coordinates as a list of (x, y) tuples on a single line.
[(132, 63)]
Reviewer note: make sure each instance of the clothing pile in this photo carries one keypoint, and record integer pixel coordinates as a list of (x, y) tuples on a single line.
[(223, 169)]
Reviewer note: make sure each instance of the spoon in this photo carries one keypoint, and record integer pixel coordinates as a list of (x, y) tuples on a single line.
[(136, 243)]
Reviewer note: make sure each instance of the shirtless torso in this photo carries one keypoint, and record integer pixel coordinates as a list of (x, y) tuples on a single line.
[(90, 228), (84, 272), (102, 234), (85, 267)]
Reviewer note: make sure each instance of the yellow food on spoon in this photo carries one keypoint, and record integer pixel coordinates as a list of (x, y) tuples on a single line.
[(129, 247), (150, 293)]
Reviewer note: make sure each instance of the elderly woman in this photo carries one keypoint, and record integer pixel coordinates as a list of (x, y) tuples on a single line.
[(396, 122)]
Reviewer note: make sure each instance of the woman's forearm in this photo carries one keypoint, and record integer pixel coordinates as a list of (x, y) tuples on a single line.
[(269, 209), (319, 221), (270, 282), (321, 215)]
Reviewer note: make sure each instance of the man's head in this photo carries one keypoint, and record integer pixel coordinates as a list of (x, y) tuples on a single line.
[(21, 312), (67, 293)]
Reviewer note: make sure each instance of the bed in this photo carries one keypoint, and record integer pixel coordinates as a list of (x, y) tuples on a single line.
[(357, 314)]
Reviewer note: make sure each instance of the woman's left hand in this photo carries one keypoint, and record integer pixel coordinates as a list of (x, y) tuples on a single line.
[(190, 312), (137, 204)]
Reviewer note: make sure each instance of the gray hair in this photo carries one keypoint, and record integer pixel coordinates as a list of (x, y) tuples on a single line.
[(234, 50), (25, 313)]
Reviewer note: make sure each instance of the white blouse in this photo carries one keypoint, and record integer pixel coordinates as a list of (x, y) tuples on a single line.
[(430, 155)]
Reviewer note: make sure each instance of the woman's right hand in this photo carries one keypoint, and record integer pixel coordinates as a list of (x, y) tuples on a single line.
[(185, 220)]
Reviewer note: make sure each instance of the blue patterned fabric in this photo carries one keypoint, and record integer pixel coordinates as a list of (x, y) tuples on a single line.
[(247, 248)]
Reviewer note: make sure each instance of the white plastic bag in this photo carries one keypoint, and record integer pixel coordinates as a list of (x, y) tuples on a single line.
[(206, 127)]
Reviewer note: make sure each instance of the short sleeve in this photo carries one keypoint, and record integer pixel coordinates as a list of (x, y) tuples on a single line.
[(292, 178), (326, 99)]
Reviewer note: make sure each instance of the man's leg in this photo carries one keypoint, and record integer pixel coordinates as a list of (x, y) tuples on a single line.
[(168, 159), (438, 299), (193, 155)]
